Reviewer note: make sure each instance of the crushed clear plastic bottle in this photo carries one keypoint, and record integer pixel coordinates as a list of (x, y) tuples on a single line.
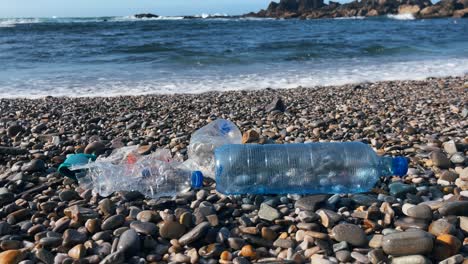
[(335, 167), (205, 140), (155, 175)]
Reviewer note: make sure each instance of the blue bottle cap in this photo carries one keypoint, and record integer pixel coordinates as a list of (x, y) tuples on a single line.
[(399, 166), (197, 179)]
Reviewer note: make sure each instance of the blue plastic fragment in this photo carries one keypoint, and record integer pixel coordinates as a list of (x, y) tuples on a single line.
[(400, 166)]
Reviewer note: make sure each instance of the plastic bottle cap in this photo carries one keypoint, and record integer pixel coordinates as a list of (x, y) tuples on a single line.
[(197, 179), (399, 166)]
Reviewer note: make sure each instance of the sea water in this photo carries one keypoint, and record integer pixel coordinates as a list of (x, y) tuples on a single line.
[(109, 56)]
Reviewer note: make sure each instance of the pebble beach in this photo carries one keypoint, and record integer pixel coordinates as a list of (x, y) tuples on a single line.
[(419, 218)]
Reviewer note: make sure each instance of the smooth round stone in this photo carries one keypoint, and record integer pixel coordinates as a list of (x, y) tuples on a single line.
[(146, 216), (11, 244), (440, 160), (71, 237), (409, 222), (95, 147), (171, 230), (12, 256), (350, 233), (194, 234), (412, 259), (14, 130), (446, 246), (343, 255), (186, 219), (457, 158), (129, 242), (34, 165), (93, 225), (459, 208), (77, 252), (236, 243), (441, 226), (268, 213), (411, 242), (68, 195), (311, 202), (360, 257), (113, 222), (50, 241), (144, 227), (420, 211)]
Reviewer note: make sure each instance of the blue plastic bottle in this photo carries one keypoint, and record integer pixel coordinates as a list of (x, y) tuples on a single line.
[(341, 167)]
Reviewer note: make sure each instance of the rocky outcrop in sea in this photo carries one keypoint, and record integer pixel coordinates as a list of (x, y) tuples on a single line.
[(310, 9)]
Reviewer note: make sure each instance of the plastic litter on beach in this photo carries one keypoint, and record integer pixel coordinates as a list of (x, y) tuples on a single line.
[(215, 151)]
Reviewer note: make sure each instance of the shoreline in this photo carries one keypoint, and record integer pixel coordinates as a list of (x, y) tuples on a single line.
[(153, 94), (50, 219)]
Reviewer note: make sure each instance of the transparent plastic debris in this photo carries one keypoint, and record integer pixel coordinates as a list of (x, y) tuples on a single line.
[(154, 175), (334, 167), (205, 140)]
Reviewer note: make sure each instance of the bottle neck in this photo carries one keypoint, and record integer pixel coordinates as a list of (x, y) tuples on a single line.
[(393, 166), (385, 166)]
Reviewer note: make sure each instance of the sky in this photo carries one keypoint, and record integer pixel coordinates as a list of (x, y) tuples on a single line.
[(93, 8)]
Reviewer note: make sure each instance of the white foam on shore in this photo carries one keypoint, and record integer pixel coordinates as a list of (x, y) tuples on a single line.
[(406, 16), (352, 17), (277, 78), (12, 22)]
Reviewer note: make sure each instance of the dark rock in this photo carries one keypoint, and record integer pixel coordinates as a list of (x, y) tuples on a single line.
[(171, 230), (14, 130), (146, 228), (408, 243), (34, 165), (277, 104), (350, 233), (311, 202), (129, 242), (146, 15), (196, 233), (459, 208), (95, 147)]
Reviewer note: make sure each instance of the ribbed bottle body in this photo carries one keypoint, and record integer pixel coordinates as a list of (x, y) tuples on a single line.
[(342, 167)]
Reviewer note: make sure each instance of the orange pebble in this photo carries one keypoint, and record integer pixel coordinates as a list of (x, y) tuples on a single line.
[(248, 251), (226, 255)]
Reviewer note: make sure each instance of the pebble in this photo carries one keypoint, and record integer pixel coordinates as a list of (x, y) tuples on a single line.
[(171, 230), (34, 165), (248, 251), (12, 256), (268, 213), (250, 136), (77, 252), (146, 228), (311, 202), (400, 190), (459, 208), (196, 233), (113, 222), (343, 255), (73, 237), (129, 242), (421, 211), (410, 242), (446, 246), (359, 257), (376, 256), (328, 218), (95, 147), (453, 259), (441, 226), (412, 259), (440, 160), (45, 256), (350, 233)]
